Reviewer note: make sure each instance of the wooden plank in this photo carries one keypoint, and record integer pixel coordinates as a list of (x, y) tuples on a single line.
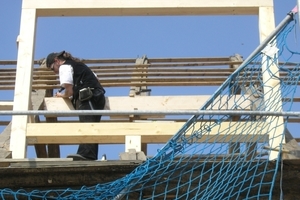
[(143, 81), (37, 98), (6, 105), (145, 8), (26, 42), (11, 160), (53, 149), (127, 60), (164, 103), (31, 161), (150, 132), (61, 174), (37, 101), (127, 84), (127, 81), (124, 74)]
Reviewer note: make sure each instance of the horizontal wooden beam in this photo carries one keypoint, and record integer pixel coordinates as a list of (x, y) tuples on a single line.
[(6, 105), (127, 84), (130, 60), (203, 71), (183, 83), (33, 161), (150, 132), (145, 7), (126, 75), (164, 103)]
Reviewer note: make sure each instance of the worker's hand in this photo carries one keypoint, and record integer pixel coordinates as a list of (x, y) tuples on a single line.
[(58, 94)]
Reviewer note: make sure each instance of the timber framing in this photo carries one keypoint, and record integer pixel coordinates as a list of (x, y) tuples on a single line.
[(53, 173), (33, 9)]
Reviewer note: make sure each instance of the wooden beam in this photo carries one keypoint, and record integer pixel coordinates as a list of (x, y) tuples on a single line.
[(122, 76), (150, 132), (6, 105), (145, 7), (22, 95), (121, 103), (37, 98), (271, 84), (134, 142)]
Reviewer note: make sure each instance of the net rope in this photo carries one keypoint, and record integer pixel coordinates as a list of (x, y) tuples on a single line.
[(215, 156)]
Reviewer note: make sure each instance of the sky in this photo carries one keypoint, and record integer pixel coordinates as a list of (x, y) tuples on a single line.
[(133, 37)]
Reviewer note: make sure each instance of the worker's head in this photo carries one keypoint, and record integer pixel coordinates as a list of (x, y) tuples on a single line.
[(52, 58)]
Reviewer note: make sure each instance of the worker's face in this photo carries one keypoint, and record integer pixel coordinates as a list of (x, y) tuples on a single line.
[(55, 66)]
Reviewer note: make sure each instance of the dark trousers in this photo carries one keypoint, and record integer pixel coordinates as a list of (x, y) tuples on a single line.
[(90, 151)]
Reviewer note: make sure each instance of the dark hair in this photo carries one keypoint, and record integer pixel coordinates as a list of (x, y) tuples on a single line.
[(67, 56), (63, 55)]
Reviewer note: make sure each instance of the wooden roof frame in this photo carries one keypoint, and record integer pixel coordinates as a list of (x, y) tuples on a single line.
[(32, 9)]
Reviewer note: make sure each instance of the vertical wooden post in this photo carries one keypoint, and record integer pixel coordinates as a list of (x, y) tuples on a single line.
[(139, 91), (133, 142), (22, 95), (271, 83), (40, 149), (234, 147)]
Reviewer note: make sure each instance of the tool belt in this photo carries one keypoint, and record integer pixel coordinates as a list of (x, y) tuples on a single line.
[(85, 94)]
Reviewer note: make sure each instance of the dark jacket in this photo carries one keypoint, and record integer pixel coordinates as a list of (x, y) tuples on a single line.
[(83, 77)]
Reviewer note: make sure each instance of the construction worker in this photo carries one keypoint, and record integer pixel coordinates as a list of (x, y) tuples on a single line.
[(82, 86)]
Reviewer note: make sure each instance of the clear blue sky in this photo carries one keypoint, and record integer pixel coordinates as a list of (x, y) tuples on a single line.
[(132, 37)]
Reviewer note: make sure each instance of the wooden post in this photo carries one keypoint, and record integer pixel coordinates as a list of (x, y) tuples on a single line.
[(271, 84), (22, 95), (139, 91), (234, 147)]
